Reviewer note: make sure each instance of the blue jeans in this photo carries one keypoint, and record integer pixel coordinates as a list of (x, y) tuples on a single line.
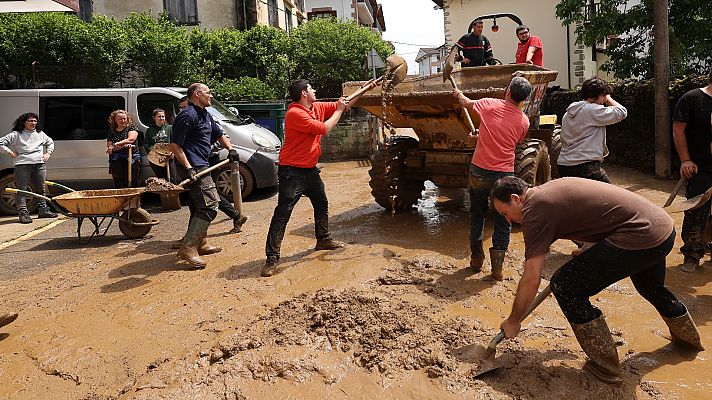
[(604, 264), (293, 183), (480, 183), (26, 174)]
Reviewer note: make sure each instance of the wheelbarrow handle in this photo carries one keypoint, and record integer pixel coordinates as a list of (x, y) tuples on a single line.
[(205, 171), (55, 184), (537, 300), (13, 190)]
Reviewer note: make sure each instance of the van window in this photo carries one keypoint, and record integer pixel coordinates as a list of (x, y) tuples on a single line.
[(78, 118), (150, 101)]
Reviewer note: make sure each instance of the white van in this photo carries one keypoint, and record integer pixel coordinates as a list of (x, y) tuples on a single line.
[(77, 121)]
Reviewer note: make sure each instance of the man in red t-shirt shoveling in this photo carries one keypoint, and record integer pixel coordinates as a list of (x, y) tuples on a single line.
[(306, 121)]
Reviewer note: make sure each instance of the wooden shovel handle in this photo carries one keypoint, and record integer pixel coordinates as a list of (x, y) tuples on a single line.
[(368, 86), (537, 300), (675, 191), (205, 171), (468, 119)]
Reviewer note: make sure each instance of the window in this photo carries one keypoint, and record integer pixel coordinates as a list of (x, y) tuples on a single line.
[(288, 18), (273, 13), (78, 118), (150, 101), (184, 12), (321, 14)]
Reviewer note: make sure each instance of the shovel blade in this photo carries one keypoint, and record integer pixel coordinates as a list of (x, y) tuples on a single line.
[(690, 204), (397, 69), (487, 362)]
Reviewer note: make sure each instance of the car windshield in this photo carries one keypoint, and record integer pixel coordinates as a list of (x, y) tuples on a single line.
[(221, 113)]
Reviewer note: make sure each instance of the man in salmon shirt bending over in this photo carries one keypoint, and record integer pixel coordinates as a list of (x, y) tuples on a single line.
[(502, 126), (307, 120)]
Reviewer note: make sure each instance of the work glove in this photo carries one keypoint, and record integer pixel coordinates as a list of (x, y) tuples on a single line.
[(233, 156), (192, 173)]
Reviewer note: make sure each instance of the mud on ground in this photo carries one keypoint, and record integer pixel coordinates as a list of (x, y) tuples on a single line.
[(394, 315)]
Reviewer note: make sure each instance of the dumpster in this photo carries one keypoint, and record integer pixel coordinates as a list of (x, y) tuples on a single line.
[(267, 114)]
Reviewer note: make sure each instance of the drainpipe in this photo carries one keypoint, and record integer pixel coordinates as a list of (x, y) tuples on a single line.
[(568, 54)]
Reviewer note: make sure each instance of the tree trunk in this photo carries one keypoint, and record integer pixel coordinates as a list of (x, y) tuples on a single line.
[(663, 149)]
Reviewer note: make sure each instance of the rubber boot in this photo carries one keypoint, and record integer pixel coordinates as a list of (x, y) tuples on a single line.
[(690, 265), (328, 244), (7, 318), (197, 229), (596, 341), (270, 267), (684, 332), (497, 259), (204, 249), (477, 256)]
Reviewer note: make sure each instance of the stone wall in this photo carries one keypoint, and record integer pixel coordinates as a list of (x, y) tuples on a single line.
[(631, 142), (350, 139)]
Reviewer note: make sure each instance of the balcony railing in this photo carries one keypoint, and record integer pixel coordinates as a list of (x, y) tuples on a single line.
[(365, 12)]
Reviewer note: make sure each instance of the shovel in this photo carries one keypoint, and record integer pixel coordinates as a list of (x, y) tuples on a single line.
[(690, 204), (489, 363), (395, 73), (447, 70), (162, 186)]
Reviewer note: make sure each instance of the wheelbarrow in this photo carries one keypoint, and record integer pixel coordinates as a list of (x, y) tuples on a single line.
[(100, 206)]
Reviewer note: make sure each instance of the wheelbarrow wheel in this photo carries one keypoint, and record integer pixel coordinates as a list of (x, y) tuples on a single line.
[(137, 215)]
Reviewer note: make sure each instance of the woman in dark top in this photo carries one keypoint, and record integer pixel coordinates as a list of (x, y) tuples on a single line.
[(122, 133), (159, 132)]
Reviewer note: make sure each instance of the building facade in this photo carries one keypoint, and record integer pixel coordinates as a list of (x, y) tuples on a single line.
[(368, 13), (207, 14), (574, 62), (430, 59)]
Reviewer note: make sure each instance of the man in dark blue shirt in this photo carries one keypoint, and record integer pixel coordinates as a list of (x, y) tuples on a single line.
[(475, 47), (194, 132)]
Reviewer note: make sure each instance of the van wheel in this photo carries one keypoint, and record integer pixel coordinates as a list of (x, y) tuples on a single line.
[(247, 182), (7, 199)]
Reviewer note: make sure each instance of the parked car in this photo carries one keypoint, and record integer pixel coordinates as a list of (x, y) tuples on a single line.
[(76, 119)]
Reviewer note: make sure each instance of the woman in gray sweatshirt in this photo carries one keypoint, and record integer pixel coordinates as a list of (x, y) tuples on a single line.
[(30, 148)]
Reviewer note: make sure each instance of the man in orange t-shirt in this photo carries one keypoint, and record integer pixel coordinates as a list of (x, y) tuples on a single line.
[(306, 121), (502, 126)]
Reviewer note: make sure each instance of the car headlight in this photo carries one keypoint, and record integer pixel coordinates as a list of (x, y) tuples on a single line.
[(261, 141)]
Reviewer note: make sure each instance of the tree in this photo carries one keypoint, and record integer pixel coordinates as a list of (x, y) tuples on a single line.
[(329, 53), (631, 53)]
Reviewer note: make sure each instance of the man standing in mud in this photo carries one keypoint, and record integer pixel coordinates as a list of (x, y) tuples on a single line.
[(194, 132), (632, 241), (692, 133), (502, 126), (305, 123), (475, 47)]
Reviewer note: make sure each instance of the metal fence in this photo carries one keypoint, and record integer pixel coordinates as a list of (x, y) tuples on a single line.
[(89, 76)]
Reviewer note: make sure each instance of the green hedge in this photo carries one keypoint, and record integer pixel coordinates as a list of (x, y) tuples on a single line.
[(59, 50)]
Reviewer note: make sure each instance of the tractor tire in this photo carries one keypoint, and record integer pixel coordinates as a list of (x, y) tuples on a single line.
[(532, 162), (7, 199), (133, 231), (389, 187), (554, 152)]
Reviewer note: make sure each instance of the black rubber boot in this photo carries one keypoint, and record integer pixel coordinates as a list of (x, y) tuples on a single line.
[(477, 256), (7, 318), (197, 230), (596, 341), (497, 260), (684, 332)]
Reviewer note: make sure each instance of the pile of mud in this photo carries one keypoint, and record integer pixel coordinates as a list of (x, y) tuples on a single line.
[(154, 184)]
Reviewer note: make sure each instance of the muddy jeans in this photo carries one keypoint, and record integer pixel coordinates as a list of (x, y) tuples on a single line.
[(589, 170), (480, 182), (293, 183), (26, 174), (693, 224), (604, 264), (203, 195)]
